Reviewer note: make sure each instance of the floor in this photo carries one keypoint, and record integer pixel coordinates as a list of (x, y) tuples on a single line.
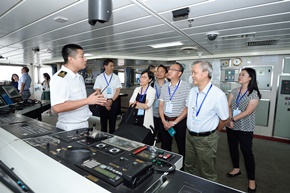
[(272, 162)]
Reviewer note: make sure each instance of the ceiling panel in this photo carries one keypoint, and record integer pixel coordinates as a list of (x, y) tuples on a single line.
[(135, 24), (6, 5)]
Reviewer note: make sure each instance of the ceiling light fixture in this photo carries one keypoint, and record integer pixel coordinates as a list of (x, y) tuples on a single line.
[(164, 45), (60, 19), (188, 49), (87, 54)]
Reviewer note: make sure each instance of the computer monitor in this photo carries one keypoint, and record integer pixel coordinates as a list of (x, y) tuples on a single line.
[(11, 93), (2, 102), (6, 98)]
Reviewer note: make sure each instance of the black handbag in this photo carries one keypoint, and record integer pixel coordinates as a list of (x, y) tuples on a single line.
[(128, 128), (129, 116)]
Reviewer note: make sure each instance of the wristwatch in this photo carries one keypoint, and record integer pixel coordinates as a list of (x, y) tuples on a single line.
[(232, 119), (174, 123), (111, 99)]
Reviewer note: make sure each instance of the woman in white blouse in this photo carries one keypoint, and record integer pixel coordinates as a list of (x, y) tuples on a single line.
[(144, 96)]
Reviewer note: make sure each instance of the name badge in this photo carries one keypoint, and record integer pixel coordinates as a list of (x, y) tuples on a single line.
[(109, 90), (156, 103), (236, 112), (195, 122), (140, 112), (169, 107), (193, 112)]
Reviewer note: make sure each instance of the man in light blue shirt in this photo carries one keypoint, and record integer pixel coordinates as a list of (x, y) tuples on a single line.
[(24, 83), (207, 114)]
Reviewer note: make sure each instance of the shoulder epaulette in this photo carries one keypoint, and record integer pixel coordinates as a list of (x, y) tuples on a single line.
[(62, 73)]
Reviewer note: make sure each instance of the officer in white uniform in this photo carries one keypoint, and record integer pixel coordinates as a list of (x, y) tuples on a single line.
[(68, 93)]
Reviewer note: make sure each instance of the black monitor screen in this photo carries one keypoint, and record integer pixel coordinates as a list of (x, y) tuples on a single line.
[(2, 103), (7, 99), (11, 91)]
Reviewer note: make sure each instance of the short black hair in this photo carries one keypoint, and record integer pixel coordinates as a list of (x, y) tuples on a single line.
[(107, 61), (150, 74), (26, 69), (151, 66), (164, 67), (70, 50), (181, 68)]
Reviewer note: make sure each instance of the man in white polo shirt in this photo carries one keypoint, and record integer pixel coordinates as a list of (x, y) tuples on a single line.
[(207, 114), (110, 85)]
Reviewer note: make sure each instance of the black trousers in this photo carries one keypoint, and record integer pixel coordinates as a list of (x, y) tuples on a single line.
[(111, 115), (158, 126), (245, 139), (166, 139)]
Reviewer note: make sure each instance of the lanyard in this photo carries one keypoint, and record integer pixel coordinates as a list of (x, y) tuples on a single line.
[(108, 83), (171, 96), (197, 112), (142, 96), (239, 99), (158, 94)]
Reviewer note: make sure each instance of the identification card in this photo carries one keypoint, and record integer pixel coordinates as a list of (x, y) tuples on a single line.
[(140, 112), (169, 107), (193, 112), (156, 103), (109, 90), (195, 122), (236, 112)]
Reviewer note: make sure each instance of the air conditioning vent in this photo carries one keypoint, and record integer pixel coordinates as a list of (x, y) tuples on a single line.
[(262, 43), (239, 36)]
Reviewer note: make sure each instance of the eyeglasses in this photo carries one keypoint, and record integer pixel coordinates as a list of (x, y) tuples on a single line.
[(173, 69)]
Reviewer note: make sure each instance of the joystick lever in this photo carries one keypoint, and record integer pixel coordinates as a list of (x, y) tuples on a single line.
[(153, 149)]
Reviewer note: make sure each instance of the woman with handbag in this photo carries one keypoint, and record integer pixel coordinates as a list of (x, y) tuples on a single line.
[(144, 96)]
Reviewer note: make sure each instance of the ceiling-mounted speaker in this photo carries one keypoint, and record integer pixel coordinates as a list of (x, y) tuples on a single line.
[(99, 11)]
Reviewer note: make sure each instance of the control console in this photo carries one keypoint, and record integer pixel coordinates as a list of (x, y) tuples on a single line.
[(102, 171), (103, 158), (27, 129)]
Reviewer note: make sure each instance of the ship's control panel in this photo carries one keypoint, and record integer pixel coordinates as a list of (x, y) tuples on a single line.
[(24, 128), (96, 158), (105, 159)]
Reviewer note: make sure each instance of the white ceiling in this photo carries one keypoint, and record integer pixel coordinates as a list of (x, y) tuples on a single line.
[(135, 24)]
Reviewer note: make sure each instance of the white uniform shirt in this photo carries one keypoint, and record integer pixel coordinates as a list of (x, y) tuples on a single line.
[(214, 108), (70, 87), (101, 84)]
